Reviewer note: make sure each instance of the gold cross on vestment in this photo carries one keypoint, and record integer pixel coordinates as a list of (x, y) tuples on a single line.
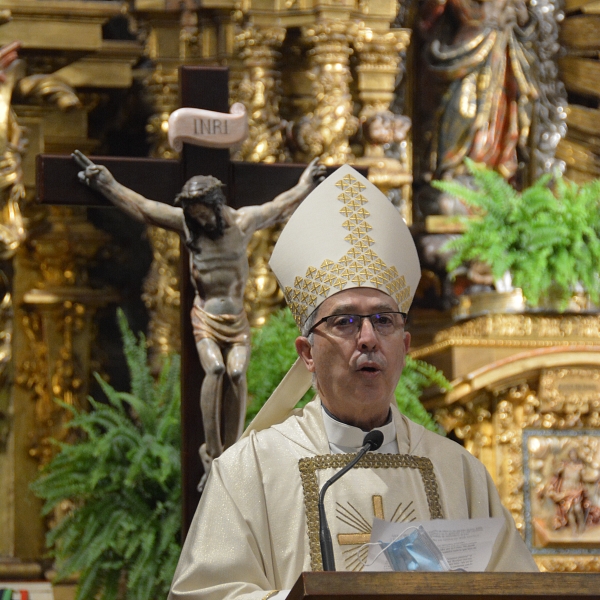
[(355, 558), (352, 539), (354, 519)]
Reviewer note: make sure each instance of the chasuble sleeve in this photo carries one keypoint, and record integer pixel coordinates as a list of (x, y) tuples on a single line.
[(227, 552), (468, 492)]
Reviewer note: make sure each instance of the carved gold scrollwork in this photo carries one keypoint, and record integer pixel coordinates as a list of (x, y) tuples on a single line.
[(12, 148), (263, 295), (570, 397), (161, 294), (490, 427), (379, 56), (12, 229), (56, 319), (569, 564), (48, 88), (259, 90), (491, 423), (516, 409), (6, 337), (189, 36), (163, 88), (162, 285), (54, 369), (326, 130), (517, 331)]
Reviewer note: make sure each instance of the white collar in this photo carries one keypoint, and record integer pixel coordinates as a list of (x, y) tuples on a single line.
[(346, 438)]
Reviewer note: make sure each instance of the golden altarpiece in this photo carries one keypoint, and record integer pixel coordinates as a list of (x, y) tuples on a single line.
[(526, 398)]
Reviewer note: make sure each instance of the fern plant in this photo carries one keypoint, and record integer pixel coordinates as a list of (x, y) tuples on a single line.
[(547, 237), (123, 478), (273, 353)]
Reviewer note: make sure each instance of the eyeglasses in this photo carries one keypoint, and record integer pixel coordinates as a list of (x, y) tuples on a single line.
[(384, 323)]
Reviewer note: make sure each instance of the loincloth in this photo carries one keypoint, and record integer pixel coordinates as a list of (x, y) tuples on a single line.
[(222, 329)]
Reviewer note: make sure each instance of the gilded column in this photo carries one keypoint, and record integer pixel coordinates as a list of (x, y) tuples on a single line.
[(56, 315), (53, 333), (161, 293), (327, 130), (379, 57), (163, 89), (260, 91), (258, 88), (52, 327)]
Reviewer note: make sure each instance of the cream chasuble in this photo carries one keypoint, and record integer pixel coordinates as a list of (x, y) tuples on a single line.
[(256, 527)]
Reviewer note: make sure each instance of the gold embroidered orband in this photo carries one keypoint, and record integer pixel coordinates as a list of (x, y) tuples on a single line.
[(359, 266), (310, 486), (270, 594)]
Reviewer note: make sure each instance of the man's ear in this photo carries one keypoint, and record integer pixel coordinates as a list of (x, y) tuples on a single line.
[(406, 341), (304, 350)]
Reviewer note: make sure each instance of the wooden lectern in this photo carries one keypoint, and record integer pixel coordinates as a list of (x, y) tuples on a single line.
[(445, 586)]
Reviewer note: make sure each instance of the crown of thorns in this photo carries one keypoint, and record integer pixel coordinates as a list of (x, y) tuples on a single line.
[(198, 187)]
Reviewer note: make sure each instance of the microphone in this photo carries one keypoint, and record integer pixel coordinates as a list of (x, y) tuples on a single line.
[(372, 441)]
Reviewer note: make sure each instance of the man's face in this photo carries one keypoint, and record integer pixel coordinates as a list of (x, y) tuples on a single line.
[(356, 376), (205, 215)]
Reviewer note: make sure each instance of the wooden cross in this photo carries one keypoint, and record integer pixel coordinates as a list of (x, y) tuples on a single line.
[(161, 180)]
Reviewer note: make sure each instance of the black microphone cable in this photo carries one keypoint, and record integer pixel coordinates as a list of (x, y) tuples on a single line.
[(372, 441)]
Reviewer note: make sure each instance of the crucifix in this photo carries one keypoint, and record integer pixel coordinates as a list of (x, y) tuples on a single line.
[(246, 184)]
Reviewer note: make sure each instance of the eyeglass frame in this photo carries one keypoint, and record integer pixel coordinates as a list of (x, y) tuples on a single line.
[(362, 318)]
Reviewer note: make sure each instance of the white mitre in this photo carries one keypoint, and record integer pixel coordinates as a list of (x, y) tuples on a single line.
[(345, 234)]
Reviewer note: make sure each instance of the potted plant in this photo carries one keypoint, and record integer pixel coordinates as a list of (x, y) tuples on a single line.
[(547, 237)]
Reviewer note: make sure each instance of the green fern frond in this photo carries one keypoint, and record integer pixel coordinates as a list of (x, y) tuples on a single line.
[(273, 353), (498, 195), (548, 236), (124, 479)]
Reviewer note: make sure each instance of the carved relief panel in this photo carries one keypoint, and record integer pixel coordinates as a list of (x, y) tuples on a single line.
[(538, 434)]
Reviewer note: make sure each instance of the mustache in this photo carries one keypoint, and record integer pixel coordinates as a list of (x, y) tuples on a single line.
[(370, 359)]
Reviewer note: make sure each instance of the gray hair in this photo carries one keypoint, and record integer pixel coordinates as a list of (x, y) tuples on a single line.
[(308, 325), (304, 330)]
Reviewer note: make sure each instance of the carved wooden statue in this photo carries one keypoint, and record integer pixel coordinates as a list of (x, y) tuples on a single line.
[(501, 100), (217, 237)]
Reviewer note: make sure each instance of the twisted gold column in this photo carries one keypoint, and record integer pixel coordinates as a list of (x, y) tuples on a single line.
[(161, 290), (259, 90), (326, 131), (163, 88), (379, 57)]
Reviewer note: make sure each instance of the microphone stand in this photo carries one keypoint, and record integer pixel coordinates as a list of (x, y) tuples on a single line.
[(372, 441)]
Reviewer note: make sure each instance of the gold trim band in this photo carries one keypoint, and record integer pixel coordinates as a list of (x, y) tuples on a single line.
[(310, 487)]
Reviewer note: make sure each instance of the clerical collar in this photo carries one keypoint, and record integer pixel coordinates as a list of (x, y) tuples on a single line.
[(349, 438)]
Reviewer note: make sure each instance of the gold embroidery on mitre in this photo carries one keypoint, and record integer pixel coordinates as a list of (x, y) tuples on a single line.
[(358, 267)]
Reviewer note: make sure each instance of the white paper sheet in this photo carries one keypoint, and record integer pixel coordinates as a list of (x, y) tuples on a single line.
[(466, 543)]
